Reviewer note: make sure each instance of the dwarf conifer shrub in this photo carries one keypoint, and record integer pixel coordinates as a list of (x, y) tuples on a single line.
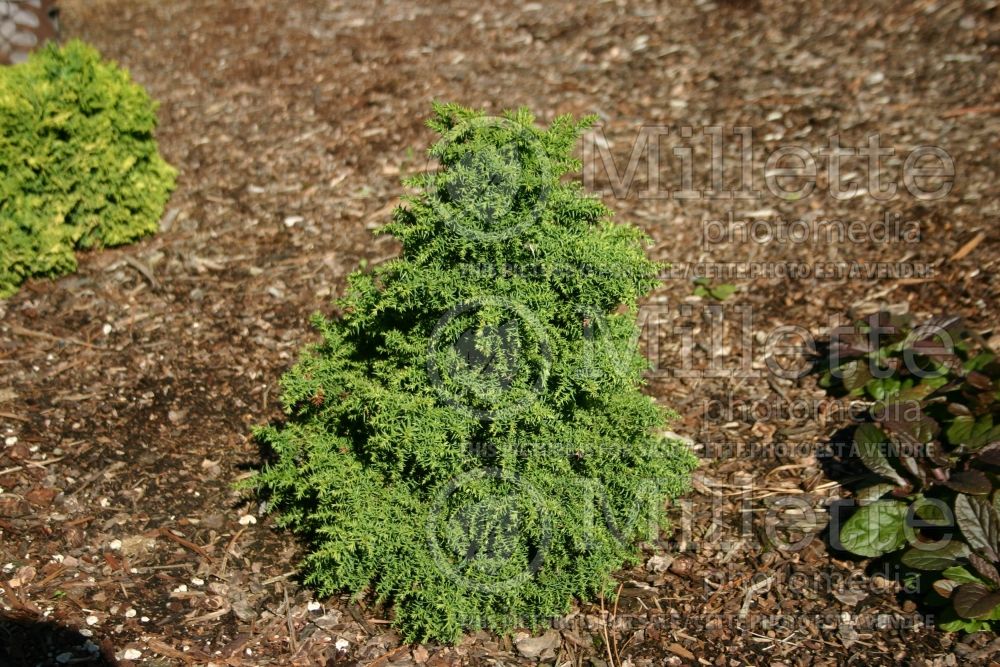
[(468, 441), (79, 167)]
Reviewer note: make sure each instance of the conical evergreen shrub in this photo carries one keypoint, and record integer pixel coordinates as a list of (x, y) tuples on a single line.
[(469, 441), (79, 163)]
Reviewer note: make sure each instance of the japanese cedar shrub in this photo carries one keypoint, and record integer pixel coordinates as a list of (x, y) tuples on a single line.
[(468, 441), (79, 167)]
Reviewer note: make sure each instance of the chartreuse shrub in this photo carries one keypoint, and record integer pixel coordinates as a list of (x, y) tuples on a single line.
[(468, 440), (932, 438), (79, 166)]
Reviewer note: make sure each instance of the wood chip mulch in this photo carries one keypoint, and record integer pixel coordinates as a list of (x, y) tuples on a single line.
[(128, 390)]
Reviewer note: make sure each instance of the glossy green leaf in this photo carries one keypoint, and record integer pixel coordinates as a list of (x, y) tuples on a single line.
[(876, 529), (972, 432), (961, 575), (935, 559)]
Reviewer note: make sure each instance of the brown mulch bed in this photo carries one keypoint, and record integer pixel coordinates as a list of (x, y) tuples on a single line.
[(128, 390)]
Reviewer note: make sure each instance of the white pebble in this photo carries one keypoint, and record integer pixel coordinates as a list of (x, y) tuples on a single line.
[(131, 654), (91, 620), (10, 442), (86, 632), (342, 644), (115, 545), (144, 619), (198, 582), (293, 220), (181, 589), (107, 329), (130, 613), (248, 520), (314, 606)]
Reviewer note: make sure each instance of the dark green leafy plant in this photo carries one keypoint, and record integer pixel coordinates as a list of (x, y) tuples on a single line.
[(933, 437), (79, 166), (468, 441)]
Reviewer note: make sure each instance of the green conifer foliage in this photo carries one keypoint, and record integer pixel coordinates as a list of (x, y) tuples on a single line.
[(79, 166), (469, 441)]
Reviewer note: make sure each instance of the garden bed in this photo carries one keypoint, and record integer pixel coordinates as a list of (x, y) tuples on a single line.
[(128, 390)]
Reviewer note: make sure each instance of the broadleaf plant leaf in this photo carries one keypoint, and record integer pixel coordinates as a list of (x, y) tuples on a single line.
[(974, 482), (944, 587), (979, 523), (876, 529), (990, 454), (935, 559), (985, 568), (975, 600), (870, 494), (961, 575), (872, 444)]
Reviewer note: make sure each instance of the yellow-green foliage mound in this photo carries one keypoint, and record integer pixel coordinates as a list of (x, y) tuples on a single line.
[(79, 167)]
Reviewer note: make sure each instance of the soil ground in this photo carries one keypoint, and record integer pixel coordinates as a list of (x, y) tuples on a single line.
[(128, 390)]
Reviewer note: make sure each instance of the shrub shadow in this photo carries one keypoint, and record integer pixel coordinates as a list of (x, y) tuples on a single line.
[(32, 642)]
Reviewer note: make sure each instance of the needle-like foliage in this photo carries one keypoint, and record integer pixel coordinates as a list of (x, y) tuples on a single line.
[(469, 440), (79, 167)]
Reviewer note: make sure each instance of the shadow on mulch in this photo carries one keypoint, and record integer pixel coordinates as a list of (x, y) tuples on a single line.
[(27, 642)]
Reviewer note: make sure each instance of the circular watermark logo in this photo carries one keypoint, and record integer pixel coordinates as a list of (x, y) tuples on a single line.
[(489, 358), (488, 531), (492, 179)]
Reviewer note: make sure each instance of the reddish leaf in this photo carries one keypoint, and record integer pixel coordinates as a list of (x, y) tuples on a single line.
[(872, 444), (937, 455), (908, 423), (979, 523), (932, 348), (958, 410), (970, 481), (944, 587), (979, 381), (990, 454), (985, 568), (974, 600)]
